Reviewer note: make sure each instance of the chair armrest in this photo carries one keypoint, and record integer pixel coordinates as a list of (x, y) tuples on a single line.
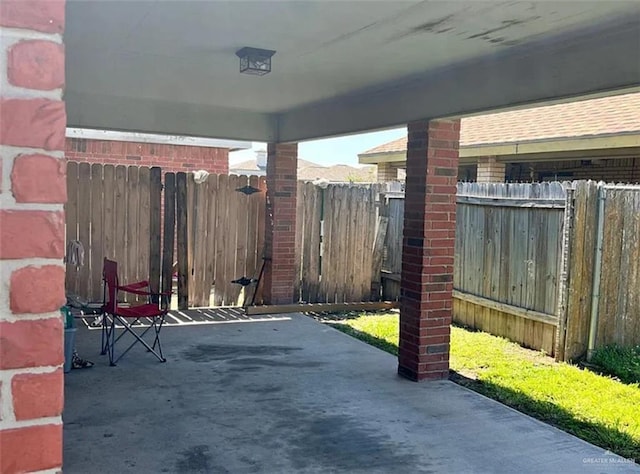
[(135, 286)]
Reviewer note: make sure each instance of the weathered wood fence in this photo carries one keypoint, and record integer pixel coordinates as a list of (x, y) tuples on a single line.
[(601, 302), (109, 211), (334, 242), (552, 266), (204, 234), (525, 266)]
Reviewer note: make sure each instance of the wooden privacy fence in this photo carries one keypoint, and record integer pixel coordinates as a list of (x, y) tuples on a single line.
[(601, 301), (507, 255), (225, 229), (205, 233), (334, 242), (553, 266), (109, 210), (525, 263)]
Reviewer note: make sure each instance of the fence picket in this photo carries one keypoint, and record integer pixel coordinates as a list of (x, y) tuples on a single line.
[(182, 234), (255, 201), (109, 217), (121, 220), (212, 230), (84, 227), (242, 214), (231, 228), (144, 224), (168, 231), (222, 239), (96, 245), (155, 223), (71, 215)]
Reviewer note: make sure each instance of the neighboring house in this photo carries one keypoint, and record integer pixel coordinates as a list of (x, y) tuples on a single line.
[(590, 139), (170, 152), (309, 171)]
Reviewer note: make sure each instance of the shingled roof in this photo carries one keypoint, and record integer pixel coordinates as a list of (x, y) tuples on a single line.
[(605, 116)]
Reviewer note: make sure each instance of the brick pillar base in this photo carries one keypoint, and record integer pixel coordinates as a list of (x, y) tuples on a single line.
[(280, 237), (490, 170), (32, 192), (427, 252)]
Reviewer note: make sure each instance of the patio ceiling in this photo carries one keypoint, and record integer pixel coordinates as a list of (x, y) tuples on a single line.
[(340, 67)]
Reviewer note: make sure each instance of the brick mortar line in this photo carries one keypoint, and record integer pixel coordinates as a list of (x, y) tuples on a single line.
[(14, 424), (13, 151), (8, 203), (16, 318), (28, 34)]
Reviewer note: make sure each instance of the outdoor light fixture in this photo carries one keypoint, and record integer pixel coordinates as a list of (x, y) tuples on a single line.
[(255, 61)]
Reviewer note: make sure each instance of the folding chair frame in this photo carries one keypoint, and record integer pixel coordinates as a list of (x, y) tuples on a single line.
[(127, 318)]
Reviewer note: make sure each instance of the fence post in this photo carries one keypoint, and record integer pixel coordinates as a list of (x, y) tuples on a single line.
[(155, 209), (182, 236), (597, 271), (378, 252), (563, 283), (169, 230)]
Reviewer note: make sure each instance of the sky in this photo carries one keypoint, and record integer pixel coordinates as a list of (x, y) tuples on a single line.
[(330, 151)]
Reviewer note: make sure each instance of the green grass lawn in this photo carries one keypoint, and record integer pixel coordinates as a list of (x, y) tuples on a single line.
[(596, 408), (621, 362)]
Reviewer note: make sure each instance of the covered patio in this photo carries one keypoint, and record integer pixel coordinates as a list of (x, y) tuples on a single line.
[(294, 395), (339, 68)]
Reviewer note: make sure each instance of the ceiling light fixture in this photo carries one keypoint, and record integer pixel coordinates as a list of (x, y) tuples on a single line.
[(255, 61)]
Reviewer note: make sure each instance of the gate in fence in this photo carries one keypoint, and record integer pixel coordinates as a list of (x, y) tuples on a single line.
[(336, 230)]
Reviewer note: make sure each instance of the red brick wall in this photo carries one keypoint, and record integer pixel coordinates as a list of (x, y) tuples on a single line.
[(32, 194), (171, 158)]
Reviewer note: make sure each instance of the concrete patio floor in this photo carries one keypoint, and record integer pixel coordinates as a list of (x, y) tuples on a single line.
[(293, 395)]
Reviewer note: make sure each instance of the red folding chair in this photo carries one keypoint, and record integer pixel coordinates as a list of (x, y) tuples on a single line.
[(136, 320)]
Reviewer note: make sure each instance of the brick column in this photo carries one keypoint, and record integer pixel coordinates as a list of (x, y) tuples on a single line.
[(427, 252), (32, 193), (490, 170), (282, 169), (387, 172)]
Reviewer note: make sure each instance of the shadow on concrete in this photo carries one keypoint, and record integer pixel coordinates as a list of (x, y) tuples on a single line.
[(604, 436)]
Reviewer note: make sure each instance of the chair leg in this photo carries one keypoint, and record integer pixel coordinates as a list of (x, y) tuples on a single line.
[(112, 345), (157, 328), (105, 334), (128, 327)]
